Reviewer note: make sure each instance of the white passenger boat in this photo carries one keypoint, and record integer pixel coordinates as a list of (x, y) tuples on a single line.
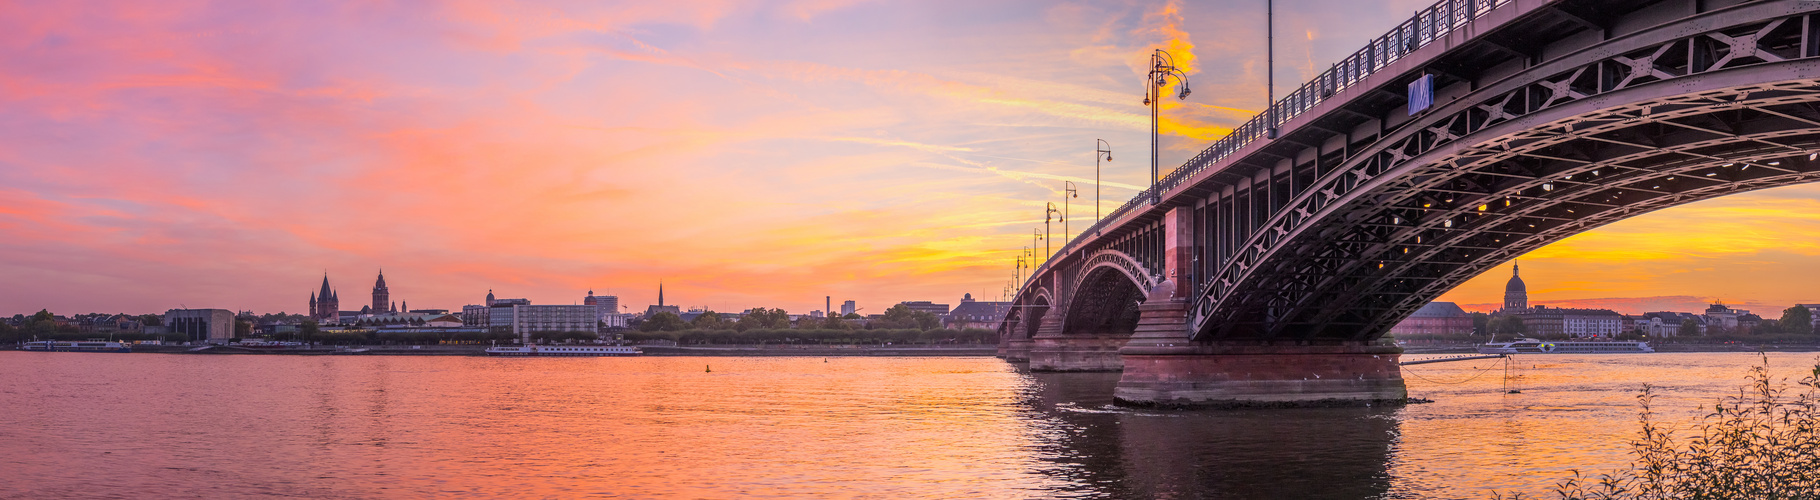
[(563, 350), (67, 346), (1533, 346)]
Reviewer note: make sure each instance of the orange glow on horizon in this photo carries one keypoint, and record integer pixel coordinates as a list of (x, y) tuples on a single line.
[(748, 154)]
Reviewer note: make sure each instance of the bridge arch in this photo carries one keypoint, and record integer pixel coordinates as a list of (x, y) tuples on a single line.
[(1106, 293), (1412, 226)]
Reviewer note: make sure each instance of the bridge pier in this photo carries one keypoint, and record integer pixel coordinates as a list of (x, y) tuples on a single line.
[(1017, 349), (1164, 368), (1088, 352)]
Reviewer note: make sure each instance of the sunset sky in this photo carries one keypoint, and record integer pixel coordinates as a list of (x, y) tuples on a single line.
[(227, 154)]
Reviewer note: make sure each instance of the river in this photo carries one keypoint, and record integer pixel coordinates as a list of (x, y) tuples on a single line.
[(172, 425)]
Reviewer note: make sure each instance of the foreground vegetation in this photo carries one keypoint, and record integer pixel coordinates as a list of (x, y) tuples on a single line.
[(1759, 444)]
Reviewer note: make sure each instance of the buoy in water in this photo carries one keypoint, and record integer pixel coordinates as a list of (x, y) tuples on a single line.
[(710, 368)]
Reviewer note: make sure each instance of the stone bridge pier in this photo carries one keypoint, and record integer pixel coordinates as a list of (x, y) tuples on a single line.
[(1112, 319)]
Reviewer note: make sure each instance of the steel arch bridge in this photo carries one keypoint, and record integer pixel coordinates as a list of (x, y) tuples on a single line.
[(1549, 118)]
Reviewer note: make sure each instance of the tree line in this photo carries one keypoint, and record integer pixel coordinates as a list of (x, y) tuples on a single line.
[(898, 317)]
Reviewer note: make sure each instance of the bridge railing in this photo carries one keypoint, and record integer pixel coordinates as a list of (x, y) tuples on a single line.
[(1427, 26)]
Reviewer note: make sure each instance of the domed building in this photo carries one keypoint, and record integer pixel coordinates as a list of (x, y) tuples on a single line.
[(1516, 294)]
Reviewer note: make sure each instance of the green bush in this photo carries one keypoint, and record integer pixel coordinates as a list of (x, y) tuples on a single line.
[(1758, 444)]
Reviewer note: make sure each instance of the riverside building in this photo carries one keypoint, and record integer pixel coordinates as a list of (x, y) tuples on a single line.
[(1548, 322), (214, 326), (521, 318)]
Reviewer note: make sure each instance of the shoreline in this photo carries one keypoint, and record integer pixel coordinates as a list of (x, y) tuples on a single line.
[(972, 350), (1660, 348), (480, 351)]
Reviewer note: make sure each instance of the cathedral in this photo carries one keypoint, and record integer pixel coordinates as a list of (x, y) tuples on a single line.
[(1516, 294), (380, 297), (325, 304)]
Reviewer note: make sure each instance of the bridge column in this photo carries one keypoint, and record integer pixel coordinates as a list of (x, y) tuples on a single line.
[(1162, 367), (1016, 344), (1053, 351)]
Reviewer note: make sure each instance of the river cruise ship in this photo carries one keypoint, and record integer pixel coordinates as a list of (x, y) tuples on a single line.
[(1533, 346), (563, 350), (81, 346)]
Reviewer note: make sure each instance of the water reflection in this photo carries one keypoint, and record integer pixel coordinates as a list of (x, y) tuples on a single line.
[(1109, 451)]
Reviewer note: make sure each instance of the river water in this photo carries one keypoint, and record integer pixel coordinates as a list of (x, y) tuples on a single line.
[(171, 425)]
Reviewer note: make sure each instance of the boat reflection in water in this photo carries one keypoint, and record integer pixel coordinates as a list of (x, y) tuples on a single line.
[(1277, 453)]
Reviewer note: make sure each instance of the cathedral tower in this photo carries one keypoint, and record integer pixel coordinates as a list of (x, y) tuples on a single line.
[(325, 307), (381, 296)]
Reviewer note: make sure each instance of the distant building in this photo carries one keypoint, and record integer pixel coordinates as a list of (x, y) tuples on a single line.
[(201, 325), (519, 317), (111, 325), (614, 321), (608, 308), (1726, 319), (848, 307), (1436, 318), (381, 296), (1667, 324), (926, 306), (660, 307), (1578, 323), (525, 319), (325, 305), (607, 303), (1516, 294), (976, 314), (1547, 321)]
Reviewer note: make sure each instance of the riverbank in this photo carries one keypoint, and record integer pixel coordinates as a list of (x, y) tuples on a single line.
[(1464, 348), (795, 350), (480, 350)]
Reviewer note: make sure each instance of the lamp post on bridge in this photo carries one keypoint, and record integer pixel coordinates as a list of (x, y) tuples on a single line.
[(1068, 191), (1101, 149), (1021, 266), (1162, 66), (1036, 235), (1048, 212)]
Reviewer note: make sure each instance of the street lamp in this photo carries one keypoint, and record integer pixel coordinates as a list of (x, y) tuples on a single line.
[(1162, 66), (1100, 150), (1021, 266), (1038, 235), (1068, 191), (1048, 212)]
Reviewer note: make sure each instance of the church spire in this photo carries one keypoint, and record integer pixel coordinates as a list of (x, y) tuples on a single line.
[(660, 293)]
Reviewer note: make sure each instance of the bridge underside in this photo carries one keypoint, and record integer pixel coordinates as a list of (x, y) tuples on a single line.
[(1423, 227), (1269, 274)]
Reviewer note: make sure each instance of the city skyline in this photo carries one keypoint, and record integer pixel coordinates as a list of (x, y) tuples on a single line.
[(747, 154)]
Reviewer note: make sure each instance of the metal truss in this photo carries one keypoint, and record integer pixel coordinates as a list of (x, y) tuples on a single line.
[(1662, 119)]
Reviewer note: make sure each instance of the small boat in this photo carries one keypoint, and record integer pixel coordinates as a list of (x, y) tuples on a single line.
[(563, 350), (1533, 346), (65, 346)]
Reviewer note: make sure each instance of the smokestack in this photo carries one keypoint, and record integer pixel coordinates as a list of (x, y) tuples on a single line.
[(828, 308)]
